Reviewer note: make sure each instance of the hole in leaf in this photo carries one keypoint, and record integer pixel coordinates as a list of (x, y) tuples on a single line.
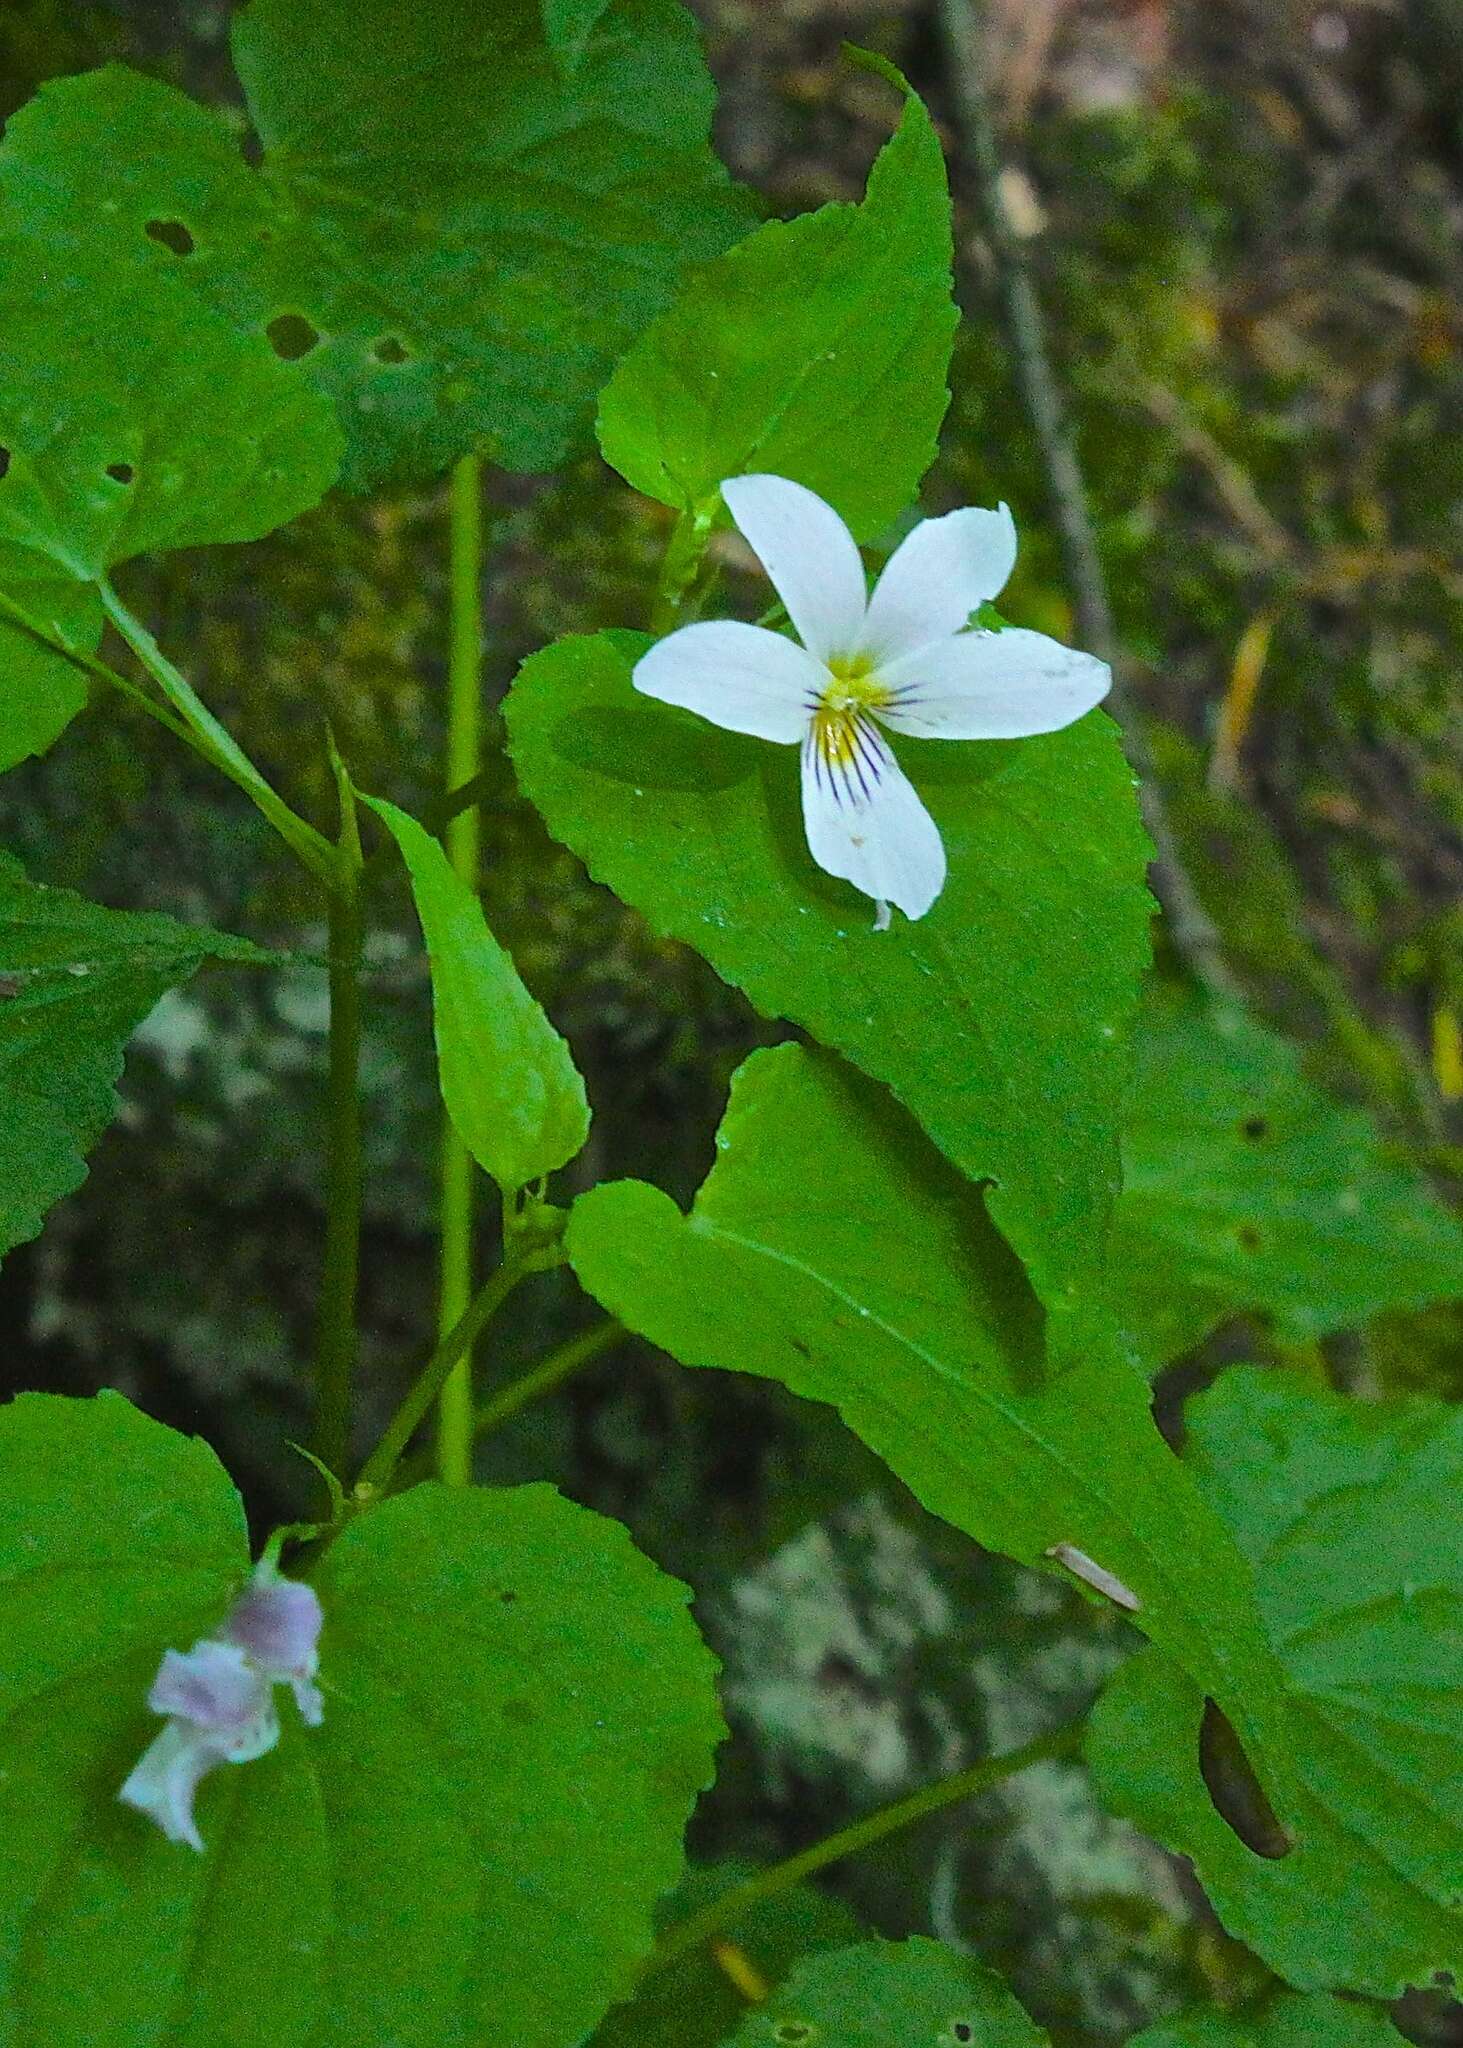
[(121, 472), (1238, 1796), (507, 1598), (1255, 1127), (4, 460), (793, 2030), (291, 336), (1248, 1238), (172, 235), (962, 2030), (389, 350)]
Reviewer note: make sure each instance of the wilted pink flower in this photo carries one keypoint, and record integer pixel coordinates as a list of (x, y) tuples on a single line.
[(219, 1698)]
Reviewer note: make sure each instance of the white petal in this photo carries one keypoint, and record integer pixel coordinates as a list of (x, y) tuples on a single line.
[(165, 1779), (866, 825), (992, 686), (740, 677), (810, 555), (936, 577)]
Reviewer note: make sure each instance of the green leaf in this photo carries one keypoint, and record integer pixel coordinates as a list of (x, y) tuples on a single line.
[(117, 1539), (459, 237), (518, 1716), (1348, 1513), (832, 1250), (132, 418), (39, 693), (890, 1994), (549, 1678), (700, 830), (693, 2001), (1288, 2021), (75, 982), (1247, 1188), (569, 24), (817, 349), (509, 1082)]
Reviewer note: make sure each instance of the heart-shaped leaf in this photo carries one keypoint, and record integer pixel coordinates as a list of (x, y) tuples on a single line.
[(699, 830), (817, 349), (833, 1250), (518, 1715)]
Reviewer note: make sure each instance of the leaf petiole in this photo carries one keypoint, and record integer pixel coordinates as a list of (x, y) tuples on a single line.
[(212, 740), (688, 543), (863, 1834), (377, 1471), (92, 665)]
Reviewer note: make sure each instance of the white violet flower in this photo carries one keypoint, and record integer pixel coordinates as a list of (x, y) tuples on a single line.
[(901, 658), (219, 1698)]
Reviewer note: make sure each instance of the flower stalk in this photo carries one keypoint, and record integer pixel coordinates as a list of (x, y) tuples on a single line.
[(338, 1341), (464, 850)]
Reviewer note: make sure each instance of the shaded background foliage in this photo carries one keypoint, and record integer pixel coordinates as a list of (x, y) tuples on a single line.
[(1245, 220)]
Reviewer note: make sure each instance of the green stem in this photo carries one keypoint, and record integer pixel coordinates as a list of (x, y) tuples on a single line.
[(454, 1347), (678, 570), (92, 665), (464, 749), (863, 1834), (338, 1341), (559, 1366), (216, 743)]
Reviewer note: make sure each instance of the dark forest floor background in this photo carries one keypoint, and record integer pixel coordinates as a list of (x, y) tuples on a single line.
[(1245, 217)]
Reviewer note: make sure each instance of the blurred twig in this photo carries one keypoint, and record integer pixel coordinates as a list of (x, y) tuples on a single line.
[(1194, 934)]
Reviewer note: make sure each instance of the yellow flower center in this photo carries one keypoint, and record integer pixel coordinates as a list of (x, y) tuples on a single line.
[(853, 691)]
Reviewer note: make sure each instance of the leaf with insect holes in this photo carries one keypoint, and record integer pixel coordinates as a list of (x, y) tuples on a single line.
[(890, 1994), (132, 419), (696, 1998), (1245, 1187), (833, 1250), (817, 349), (508, 1079), (453, 229), (1289, 2020), (1347, 1512), (75, 982), (518, 1715)]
